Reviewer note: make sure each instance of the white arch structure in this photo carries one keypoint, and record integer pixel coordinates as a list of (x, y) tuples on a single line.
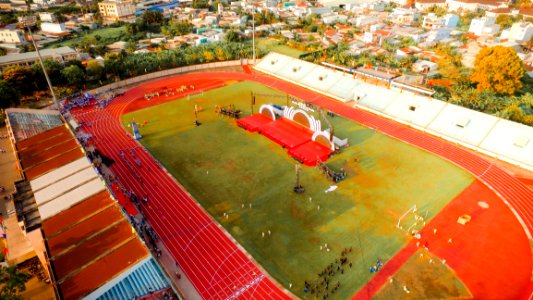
[(291, 113), (268, 111)]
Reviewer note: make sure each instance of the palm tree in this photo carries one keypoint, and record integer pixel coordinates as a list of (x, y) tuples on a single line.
[(12, 282)]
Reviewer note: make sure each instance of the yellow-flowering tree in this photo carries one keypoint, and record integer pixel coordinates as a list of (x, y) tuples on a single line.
[(498, 69)]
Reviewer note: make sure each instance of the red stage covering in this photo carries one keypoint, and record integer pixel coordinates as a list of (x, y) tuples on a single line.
[(290, 135), (124, 201), (287, 133), (309, 152), (254, 122)]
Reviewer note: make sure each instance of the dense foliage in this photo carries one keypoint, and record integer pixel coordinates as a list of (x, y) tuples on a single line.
[(498, 69)]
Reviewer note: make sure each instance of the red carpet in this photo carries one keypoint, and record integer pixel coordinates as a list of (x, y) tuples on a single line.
[(309, 152), (247, 69), (124, 201), (290, 135), (286, 133), (254, 122)]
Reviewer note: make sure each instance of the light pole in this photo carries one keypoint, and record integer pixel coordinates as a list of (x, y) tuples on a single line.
[(44, 69), (253, 31)]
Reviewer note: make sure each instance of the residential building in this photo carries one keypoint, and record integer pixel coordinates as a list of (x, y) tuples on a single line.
[(318, 10), (47, 17), (437, 35), (12, 36), (451, 20), (375, 6), (113, 11), (45, 2), (424, 66), (56, 28), (365, 20), (473, 5), (6, 6), (521, 32), (432, 21), (423, 5), (484, 26), (24, 21), (404, 52), (402, 16), (375, 36), (334, 18), (403, 3), (62, 55)]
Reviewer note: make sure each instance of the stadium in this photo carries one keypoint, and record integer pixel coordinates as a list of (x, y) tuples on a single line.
[(385, 210)]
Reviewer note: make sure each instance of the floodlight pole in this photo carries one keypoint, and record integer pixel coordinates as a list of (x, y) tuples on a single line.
[(253, 32), (44, 69)]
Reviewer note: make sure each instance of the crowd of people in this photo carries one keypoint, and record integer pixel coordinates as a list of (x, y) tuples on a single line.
[(84, 99), (327, 284)]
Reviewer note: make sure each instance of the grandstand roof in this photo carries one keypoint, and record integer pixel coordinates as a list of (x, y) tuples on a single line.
[(47, 151), (90, 241), (25, 123)]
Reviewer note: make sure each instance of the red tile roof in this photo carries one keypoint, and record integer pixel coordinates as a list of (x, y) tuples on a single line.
[(430, 1), (76, 213), (47, 151), (103, 270), (91, 242)]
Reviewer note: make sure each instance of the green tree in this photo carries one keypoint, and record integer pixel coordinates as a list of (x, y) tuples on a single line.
[(73, 74), (506, 21), (232, 36), (177, 28), (498, 69), (53, 67), (151, 20), (8, 17), (131, 46), (13, 282), (437, 10), (3, 51), (450, 65), (94, 70), (18, 77), (87, 43), (10, 96)]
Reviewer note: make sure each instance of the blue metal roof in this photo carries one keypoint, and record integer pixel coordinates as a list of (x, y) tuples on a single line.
[(147, 278), (161, 7)]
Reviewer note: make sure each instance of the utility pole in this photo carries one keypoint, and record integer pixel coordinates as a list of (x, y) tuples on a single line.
[(253, 32), (298, 188), (42, 66)]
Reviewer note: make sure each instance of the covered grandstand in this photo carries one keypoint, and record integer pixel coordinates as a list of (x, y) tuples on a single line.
[(88, 245), (503, 139)]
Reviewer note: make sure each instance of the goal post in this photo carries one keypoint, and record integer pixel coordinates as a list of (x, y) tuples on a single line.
[(412, 209)]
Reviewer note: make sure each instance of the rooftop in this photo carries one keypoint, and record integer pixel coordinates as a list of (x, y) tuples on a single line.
[(33, 55), (25, 123)]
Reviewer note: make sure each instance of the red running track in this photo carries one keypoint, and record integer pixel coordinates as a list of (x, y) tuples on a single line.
[(215, 265)]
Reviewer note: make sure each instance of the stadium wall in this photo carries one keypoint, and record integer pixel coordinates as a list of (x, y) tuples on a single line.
[(165, 73)]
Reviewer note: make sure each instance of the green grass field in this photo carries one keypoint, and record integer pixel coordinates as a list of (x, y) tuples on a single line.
[(228, 170), (434, 280), (271, 45), (107, 36)]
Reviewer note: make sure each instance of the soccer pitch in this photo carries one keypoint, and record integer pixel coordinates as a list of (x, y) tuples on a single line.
[(245, 182)]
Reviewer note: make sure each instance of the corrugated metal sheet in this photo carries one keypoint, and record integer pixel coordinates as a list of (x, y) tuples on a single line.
[(147, 278)]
